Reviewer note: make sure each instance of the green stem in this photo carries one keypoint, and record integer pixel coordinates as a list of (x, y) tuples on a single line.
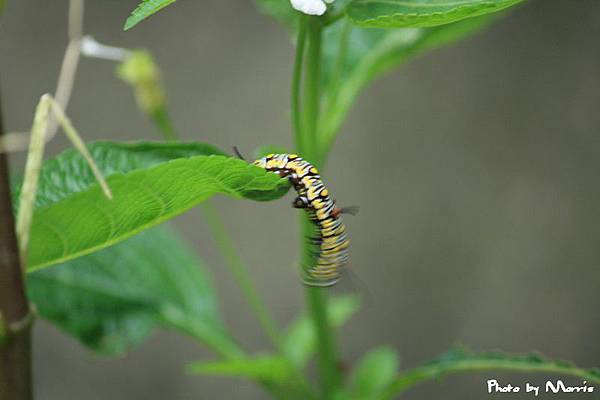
[(296, 82), (165, 125), (240, 272), (312, 100), (232, 258), (316, 299), (306, 143)]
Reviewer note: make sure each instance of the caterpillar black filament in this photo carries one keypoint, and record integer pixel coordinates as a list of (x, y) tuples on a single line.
[(329, 239)]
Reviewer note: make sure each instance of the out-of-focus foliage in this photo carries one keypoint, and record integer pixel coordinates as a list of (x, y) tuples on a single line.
[(267, 367), (143, 75), (373, 374), (355, 56), (461, 360), (300, 341)]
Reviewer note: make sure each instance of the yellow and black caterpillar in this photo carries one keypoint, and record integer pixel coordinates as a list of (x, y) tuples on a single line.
[(329, 239)]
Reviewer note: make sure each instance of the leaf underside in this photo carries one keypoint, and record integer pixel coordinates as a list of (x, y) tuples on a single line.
[(420, 13)]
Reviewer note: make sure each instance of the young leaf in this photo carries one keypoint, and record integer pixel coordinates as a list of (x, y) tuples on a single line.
[(140, 72), (269, 368), (151, 183), (420, 13), (300, 341), (354, 56), (461, 360), (112, 299), (145, 9), (374, 373)]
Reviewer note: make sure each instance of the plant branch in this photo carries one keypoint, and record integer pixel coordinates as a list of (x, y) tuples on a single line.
[(68, 70), (15, 315), (240, 272), (307, 145), (312, 93), (296, 84), (232, 258), (19, 141), (46, 108)]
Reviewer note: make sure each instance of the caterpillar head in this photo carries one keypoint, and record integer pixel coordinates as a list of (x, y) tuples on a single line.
[(261, 162)]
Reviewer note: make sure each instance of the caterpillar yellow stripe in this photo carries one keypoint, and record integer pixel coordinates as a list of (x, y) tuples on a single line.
[(329, 239)]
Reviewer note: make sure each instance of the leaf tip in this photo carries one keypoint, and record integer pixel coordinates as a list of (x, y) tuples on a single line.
[(130, 23)]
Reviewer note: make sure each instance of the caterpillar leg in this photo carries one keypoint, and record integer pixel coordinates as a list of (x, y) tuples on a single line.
[(351, 210), (300, 202)]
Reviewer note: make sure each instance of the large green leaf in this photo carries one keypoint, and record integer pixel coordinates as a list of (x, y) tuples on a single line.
[(420, 13), (300, 341), (112, 299), (145, 9), (354, 56), (461, 360), (151, 183), (374, 374)]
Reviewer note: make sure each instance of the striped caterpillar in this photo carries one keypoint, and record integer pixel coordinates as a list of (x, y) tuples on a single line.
[(329, 240)]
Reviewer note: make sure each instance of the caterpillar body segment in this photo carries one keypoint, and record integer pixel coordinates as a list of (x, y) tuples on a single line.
[(329, 240)]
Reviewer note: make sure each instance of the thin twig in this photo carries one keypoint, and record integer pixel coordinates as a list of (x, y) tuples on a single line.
[(18, 141), (90, 47), (66, 79), (46, 107)]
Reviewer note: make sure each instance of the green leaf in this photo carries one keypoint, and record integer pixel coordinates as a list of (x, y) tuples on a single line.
[(2, 5), (151, 183), (145, 9), (374, 373), (300, 341), (461, 360), (420, 13), (354, 56), (268, 368), (112, 299)]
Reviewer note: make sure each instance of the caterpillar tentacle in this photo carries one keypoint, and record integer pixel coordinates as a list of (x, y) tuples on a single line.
[(329, 243)]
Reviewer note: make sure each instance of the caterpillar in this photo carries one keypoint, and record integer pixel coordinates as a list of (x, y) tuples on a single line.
[(329, 241)]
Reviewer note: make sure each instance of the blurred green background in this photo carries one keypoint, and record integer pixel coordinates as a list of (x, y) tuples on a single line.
[(475, 167)]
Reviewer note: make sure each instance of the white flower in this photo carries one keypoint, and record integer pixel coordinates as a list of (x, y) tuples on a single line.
[(311, 7)]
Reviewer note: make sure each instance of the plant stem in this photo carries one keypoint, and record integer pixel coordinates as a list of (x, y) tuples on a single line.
[(232, 258), (296, 82), (312, 88), (15, 315), (307, 144), (316, 299), (240, 272)]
